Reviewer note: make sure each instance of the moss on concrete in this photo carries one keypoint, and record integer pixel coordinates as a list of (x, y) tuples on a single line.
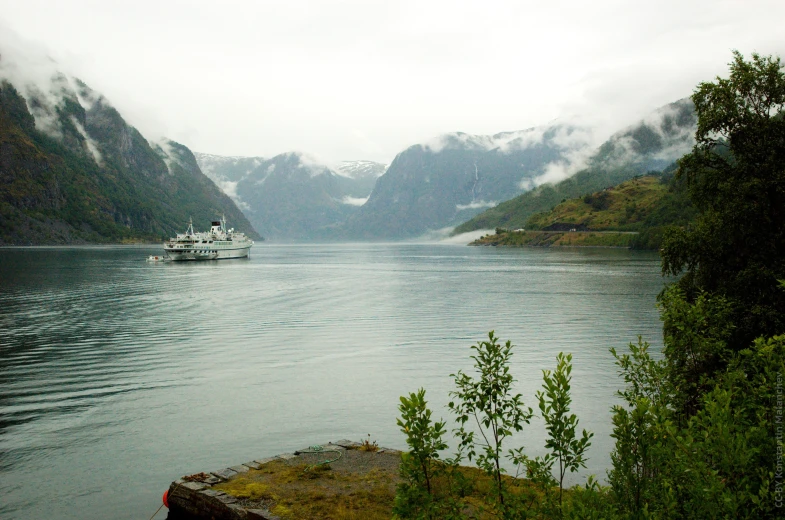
[(361, 484)]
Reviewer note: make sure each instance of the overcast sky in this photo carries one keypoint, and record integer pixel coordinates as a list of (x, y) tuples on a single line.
[(365, 79)]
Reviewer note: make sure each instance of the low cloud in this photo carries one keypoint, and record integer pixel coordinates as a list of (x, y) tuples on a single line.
[(312, 164), (168, 153), (229, 187), (92, 147), (43, 109), (673, 125), (477, 204), (46, 89), (571, 163), (354, 201), (504, 142), (565, 135), (36, 76), (443, 236), (466, 238), (267, 172)]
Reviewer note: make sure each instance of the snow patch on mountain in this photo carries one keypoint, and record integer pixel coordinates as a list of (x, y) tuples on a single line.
[(361, 169), (227, 172)]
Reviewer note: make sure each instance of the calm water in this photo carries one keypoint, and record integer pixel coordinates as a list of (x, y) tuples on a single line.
[(118, 376)]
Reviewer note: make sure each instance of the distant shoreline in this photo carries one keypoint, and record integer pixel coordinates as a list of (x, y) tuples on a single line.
[(593, 239)]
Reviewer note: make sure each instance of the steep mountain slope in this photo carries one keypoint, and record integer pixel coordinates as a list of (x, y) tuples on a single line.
[(644, 205), (623, 207), (291, 197), (227, 171), (362, 175), (441, 183), (72, 170), (652, 144)]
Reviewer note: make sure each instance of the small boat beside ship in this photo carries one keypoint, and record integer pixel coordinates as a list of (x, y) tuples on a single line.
[(217, 244)]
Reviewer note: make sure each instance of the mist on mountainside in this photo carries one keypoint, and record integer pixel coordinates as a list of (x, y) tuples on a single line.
[(660, 138), (74, 171)]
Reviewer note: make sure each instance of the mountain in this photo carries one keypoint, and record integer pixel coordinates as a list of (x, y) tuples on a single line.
[(651, 144), (638, 209), (72, 170), (363, 175), (293, 196), (227, 171), (455, 176), (359, 170)]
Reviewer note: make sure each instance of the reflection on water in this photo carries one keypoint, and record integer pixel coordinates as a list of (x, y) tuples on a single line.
[(117, 376)]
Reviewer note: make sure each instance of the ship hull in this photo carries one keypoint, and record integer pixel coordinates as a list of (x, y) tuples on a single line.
[(209, 254)]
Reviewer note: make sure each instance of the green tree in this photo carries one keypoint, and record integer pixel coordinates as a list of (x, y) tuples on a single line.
[(419, 467), (488, 402), (567, 449), (696, 336), (720, 462), (423, 436), (641, 428), (736, 179)]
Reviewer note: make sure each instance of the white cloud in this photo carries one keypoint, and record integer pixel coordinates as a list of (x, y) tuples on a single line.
[(365, 79), (92, 147), (466, 238), (312, 164), (572, 162), (354, 201), (505, 141), (169, 153), (229, 187), (477, 204)]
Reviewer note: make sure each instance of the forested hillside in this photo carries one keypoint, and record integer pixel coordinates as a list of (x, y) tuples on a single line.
[(73, 171), (652, 144), (640, 209)]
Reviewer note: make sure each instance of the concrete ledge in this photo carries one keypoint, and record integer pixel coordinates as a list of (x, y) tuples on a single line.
[(193, 497)]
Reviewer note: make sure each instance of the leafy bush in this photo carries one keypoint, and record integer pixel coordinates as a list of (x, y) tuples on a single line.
[(417, 496), (566, 448)]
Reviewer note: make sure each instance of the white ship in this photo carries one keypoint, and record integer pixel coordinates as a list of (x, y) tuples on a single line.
[(216, 244)]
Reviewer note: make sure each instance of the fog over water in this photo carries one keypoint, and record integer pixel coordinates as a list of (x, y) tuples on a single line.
[(118, 376)]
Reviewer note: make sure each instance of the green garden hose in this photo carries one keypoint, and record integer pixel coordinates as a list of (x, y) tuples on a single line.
[(320, 449)]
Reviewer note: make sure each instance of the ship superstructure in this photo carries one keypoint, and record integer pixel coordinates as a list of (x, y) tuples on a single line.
[(217, 244)]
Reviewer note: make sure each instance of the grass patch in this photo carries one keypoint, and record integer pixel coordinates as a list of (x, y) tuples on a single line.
[(359, 485), (362, 486), (621, 208)]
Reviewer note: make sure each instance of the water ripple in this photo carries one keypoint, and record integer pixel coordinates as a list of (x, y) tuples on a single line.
[(120, 375)]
